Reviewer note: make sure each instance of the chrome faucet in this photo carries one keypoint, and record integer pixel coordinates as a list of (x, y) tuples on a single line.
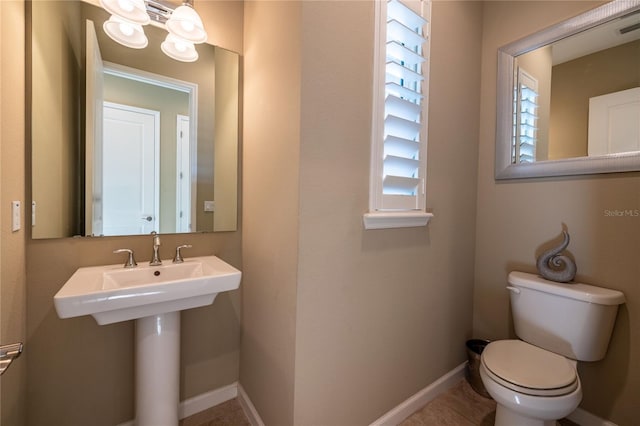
[(155, 260), (178, 257), (131, 261)]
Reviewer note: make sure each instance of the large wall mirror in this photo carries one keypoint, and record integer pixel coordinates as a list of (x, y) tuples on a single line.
[(568, 97), (128, 141)]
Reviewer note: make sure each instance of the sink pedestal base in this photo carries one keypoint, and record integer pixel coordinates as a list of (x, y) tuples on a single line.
[(158, 370)]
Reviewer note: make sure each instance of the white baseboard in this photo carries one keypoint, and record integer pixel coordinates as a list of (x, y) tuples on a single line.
[(201, 402), (585, 418), (206, 400), (417, 401), (248, 408)]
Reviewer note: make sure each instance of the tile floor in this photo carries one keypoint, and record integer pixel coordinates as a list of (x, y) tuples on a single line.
[(226, 414), (459, 406)]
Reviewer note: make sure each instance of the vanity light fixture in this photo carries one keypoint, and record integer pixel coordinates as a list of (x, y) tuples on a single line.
[(133, 11), (179, 49), (183, 23), (125, 32)]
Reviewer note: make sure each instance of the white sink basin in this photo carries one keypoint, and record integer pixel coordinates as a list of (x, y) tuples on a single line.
[(113, 293)]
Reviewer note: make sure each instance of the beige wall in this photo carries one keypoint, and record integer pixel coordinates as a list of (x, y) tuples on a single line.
[(81, 373), (227, 137), (56, 48), (606, 247), (12, 187), (270, 197), (574, 82), (370, 316)]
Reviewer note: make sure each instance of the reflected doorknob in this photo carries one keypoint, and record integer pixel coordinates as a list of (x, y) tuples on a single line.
[(147, 218)]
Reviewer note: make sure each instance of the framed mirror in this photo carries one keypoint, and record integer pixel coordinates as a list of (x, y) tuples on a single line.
[(568, 97), (127, 141)]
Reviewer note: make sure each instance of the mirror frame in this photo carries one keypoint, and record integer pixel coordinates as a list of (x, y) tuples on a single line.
[(504, 168)]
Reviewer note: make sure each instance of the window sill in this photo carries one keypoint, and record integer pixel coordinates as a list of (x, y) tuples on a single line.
[(384, 220)]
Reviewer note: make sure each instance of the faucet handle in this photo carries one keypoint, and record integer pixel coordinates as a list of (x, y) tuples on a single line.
[(131, 261), (178, 257)]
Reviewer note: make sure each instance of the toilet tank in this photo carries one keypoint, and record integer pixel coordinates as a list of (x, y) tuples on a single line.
[(574, 320)]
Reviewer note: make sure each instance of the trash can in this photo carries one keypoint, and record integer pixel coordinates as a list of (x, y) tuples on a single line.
[(474, 349)]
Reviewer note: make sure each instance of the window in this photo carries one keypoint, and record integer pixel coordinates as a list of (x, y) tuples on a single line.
[(525, 119), (401, 75)]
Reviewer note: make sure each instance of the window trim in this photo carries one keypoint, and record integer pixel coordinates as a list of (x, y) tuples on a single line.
[(379, 217)]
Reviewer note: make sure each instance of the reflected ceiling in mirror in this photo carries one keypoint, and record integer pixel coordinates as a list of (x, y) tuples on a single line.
[(569, 97), (193, 186)]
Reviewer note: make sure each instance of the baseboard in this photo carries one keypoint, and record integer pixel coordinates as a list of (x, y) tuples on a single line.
[(585, 418), (201, 402), (248, 408), (417, 401), (206, 400), (395, 416)]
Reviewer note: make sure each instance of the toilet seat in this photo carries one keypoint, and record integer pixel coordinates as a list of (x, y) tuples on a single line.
[(527, 369)]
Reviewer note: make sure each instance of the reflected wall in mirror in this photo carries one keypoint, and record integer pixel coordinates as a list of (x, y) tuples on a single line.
[(90, 174), (569, 97)]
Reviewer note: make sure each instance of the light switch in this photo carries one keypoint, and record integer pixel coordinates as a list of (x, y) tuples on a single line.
[(209, 206), (15, 216)]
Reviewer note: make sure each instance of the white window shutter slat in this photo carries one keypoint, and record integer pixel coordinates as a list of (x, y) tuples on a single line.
[(401, 147), (398, 73), (406, 129), (402, 108)]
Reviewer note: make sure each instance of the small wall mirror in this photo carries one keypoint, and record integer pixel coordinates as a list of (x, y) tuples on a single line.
[(568, 99), (128, 141)]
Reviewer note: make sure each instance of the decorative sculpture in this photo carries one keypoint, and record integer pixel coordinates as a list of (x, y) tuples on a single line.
[(557, 267)]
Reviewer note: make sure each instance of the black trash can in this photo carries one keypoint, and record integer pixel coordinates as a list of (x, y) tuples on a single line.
[(474, 350)]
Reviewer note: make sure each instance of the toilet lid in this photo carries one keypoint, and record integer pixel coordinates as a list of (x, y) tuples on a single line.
[(529, 369)]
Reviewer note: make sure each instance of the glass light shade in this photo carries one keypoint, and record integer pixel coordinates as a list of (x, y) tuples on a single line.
[(130, 10), (185, 23), (179, 49), (126, 33)]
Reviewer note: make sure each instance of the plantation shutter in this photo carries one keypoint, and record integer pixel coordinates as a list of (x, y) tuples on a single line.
[(526, 118), (403, 179)]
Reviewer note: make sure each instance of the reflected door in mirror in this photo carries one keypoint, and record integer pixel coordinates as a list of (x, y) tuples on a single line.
[(130, 195)]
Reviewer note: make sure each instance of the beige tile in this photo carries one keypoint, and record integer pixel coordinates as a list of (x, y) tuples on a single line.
[(226, 414), (459, 406)]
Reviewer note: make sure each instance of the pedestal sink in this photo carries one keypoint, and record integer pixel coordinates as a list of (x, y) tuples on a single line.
[(153, 296)]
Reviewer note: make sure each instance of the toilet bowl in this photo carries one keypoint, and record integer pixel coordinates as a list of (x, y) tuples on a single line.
[(531, 386), (534, 380)]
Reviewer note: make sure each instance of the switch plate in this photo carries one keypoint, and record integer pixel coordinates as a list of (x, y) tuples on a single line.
[(209, 206), (15, 216)]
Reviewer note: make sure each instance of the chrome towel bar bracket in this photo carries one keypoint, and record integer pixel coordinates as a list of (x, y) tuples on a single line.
[(7, 354)]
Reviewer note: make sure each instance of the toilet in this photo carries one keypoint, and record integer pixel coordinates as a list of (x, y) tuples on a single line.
[(534, 380)]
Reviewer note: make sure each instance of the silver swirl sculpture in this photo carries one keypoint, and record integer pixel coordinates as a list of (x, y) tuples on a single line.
[(557, 267)]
